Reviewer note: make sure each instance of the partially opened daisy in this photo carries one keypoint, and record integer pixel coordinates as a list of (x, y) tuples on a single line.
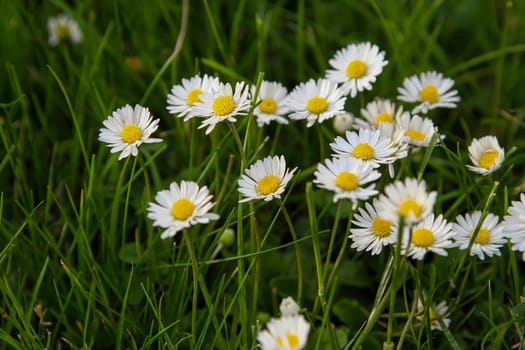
[(185, 95), (271, 106), (418, 131), (356, 67), (486, 155), (343, 121), (289, 307), (265, 179), (371, 232), (408, 199), (430, 89), (430, 235), (489, 238), (514, 225), (285, 333), (63, 27), (435, 312), (222, 104), (181, 206), (316, 101), (127, 128), (380, 111)]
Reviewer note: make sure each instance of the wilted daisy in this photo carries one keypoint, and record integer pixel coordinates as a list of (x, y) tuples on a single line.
[(373, 232), (185, 95), (285, 333), (63, 27), (289, 307), (343, 121), (347, 178), (430, 234), (380, 111), (418, 131), (486, 155), (409, 199), (430, 89), (181, 206), (221, 104), (127, 128), (434, 314), (271, 106), (265, 179), (489, 239), (316, 101), (514, 225), (356, 67)]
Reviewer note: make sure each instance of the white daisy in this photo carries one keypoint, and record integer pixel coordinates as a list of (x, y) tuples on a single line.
[(289, 307), (316, 101), (489, 239), (430, 234), (373, 232), (265, 179), (370, 146), (63, 27), (434, 313), (418, 131), (356, 67), (347, 178), (127, 128), (430, 89), (181, 206), (409, 199), (185, 95), (514, 225), (486, 155), (223, 103), (271, 106), (379, 111), (343, 121), (285, 333)]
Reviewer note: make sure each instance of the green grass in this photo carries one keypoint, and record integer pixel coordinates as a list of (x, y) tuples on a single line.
[(83, 267)]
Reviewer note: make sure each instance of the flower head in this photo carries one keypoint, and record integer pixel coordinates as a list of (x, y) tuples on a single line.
[(316, 101), (486, 155), (434, 314), (271, 103), (63, 27), (285, 333), (379, 112), (417, 131), (289, 307), (265, 179), (431, 234), (514, 225), (127, 128), (343, 121), (356, 67), (185, 96), (430, 89), (180, 207)]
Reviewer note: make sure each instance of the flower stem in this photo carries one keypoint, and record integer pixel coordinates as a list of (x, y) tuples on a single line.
[(297, 252)]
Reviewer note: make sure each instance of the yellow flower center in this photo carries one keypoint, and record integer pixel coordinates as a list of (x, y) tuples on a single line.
[(223, 105), (363, 151), (268, 105), (488, 159), (409, 206), (429, 93), (293, 341), (483, 236), (423, 237), (182, 209), (384, 117), (62, 31), (268, 184), (130, 133), (193, 96), (356, 69), (346, 181), (317, 105), (381, 227), (415, 135)]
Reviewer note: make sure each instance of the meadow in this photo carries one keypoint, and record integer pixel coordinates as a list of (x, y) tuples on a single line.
[(200, 225)]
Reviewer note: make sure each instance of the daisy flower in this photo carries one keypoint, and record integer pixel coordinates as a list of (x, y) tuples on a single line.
[(265, 179), (316, 101), (127, 128), (378, 112), (222, 103), (63, 27), (370, 146), (356, 67), (514, 225), (289, 307), (418, 131), (347, 178), (185, 95), (434, 313), (373, 232), (343, 121), (409, 199), (271, 106), (486, 155), (489, 238), (285, 333), (429, 235), (430, 89), (180, 207)]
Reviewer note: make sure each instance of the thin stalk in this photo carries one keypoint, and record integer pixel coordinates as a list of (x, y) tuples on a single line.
[(297, 252), (195, 271), (332, 236)]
